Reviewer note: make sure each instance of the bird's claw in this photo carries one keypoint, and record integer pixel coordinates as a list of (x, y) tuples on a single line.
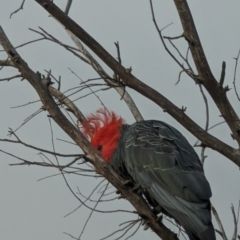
[(156, 210), (143, 216), (128, 183), (118, 192), (137, 189), (120, 195), (145, 224), (159, 218)]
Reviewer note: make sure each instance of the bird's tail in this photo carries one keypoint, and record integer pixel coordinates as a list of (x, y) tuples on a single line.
[(208, 234), (191, 235)]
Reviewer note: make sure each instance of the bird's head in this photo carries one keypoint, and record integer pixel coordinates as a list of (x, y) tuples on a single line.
[(102, 128)]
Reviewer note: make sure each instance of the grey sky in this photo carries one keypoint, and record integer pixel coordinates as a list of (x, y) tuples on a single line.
[(35, 210)]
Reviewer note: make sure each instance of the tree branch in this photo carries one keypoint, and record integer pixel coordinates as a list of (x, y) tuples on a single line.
[(134, 83), (17, 10), (234, 77), (219, 222), (218, 94), (39, 149), (101, 167), (222, 74), (102, 73), (70, 105), (6, 63)]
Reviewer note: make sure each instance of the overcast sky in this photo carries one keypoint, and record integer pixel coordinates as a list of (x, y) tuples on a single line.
[(32, 209)]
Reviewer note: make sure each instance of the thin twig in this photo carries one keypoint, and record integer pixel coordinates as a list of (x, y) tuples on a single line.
[(26, 43), (222, 74), (219, 222), (70, 235), (163, 42), (235, 73), (133, 233), (92, 211), (118, 52), (29, 163), (18, 141), (235, 221), (17, 10), (86, 199), (89, 89), (190, 70), (102, 200), (11, 78), (26, 104), (102, 73), (174, 38), (96, 210), (130, 224), (6, 63), (68, 6), (65, 100), (29, 118), (203, 157), (49, 37)]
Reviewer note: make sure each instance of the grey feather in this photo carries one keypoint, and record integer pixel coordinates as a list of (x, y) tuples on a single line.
[(159, 158)]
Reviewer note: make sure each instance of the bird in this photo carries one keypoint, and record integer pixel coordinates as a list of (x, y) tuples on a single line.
[(159, 160)]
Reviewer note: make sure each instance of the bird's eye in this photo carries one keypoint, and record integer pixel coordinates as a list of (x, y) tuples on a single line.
[(99, 147)]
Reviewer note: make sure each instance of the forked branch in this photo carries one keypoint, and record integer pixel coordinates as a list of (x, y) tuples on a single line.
[(134, 83), (101, 167), (217, 93)]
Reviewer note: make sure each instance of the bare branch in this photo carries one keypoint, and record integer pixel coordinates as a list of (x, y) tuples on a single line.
[(87, 86), (65, 100), (174, 38), (93, 209), (42, 164), (29, 118), (133, 233), (235, 221), (71, 236), (101, 200), (191, 75), (235, 73), (68, 6), (219, 222), (132, 82), (118, 52), (190, 70), (222, 74), (26, 104), (98, 68), (11, 78), (49, 37), (20, 8), (209, 82), (29, 42), (6, 63), (18, 141), (203, 157), (129, 225), (90, 60), (86, 198), (93, 156)]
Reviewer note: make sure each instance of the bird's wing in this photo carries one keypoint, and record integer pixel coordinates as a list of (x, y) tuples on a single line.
[(155, 152), (164, 164)]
